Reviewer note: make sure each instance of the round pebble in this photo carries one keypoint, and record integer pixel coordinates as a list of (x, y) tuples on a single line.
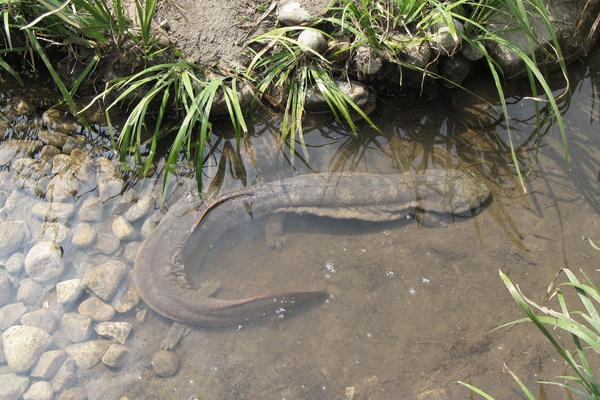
[(23, 345), (44, 262), (84, 235), (165, 363)]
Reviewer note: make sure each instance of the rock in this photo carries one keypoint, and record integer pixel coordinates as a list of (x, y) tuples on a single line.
[(62, 187), (293, 13), (65, 375), (76, 327), (88, 354), (455, 69), (367, 62), (109, 187), (443, 41), (55, 210), (131, 250), (471, 52), (52, 138), (73, 143), (13, 234), (164, 363), (5, 288), (2, 356), (119, 331), (103, 280), (76, 393), (54, 232), (417, 54), (116, 356), (129, 299), (69, 291), (12, 386), (96, 309), (434, 394), (311, 40), (22, 106), (41, 390), (14, 265), (23, 345), (48, 364), (10, 314), (44, 262), (358, 92), (41, 318), (48, 152), (107, 243), (91, 210), (140, 208), (29, 292), (150, 224), (12, 149), (84, 235), (123, 229)]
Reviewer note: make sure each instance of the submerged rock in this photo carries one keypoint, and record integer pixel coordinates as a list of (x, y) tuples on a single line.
[(13, 234), (12, 386), (29, 292), (84, 235), (119, 331), (96, 309), (69, 291), (15, 148), (10, 314), (128, 299), (75, 393), (107, 243), (103, 280), (55, 210), (76, 327), (48, 364), (41, 318), (5, 288), (65, 376), (15, 264), (54, 232), (88, 354), (44, 262), (109, 187), (164, 363), (39, 391), (91, 210), (123, 229), (23, 345), (116, 356), (140, 208)]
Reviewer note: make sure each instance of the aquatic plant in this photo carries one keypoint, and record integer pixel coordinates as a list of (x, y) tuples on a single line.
[(582, 325)]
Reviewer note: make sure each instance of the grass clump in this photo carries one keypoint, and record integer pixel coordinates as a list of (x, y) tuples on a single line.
[(583, 326)]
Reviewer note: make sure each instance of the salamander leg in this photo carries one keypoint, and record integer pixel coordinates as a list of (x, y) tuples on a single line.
[(176, 332), (274, 230)]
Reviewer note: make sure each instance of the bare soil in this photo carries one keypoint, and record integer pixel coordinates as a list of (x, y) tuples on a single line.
[(212, 32)]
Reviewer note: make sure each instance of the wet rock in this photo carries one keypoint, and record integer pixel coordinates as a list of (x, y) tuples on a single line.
[(358, 92), (417, 54), (434, 394), (54, 232), (131, 250), (22, 106), (12, 386), (62, 187), (60, 163), (164, 363), (107, 243), (44, 262), (91, 210), (5, 288), (52, 138), (129, 299), (10, 314), (69, 291), (41, 318), (84, 235), (138, 210), (443, 41), (455, 69), (103, 280), (11, 149), (123, 229), (39, 391), (29, 292), (119, 331), (13, 234), (116, 356), (88, 354), (23, 345), (312, 41), (76, 327), (150, 224), (471, 52), (96, 309), (2, 356), (15, 264), (367, 62), (55, 210), (73, 143), (109, 187), (76, 393), (60, 121), (48, 152), (48, 364), (292, 13), (65, 376)]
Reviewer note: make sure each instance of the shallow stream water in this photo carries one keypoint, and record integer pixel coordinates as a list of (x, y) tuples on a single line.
[(411, 307)]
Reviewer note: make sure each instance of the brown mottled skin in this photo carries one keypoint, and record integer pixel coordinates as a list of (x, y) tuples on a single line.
[(158, 273)]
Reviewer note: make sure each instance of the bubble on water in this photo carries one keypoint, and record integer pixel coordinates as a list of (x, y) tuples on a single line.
[(369, 335), (412, 290), (240, 327), (386, 232), (390, 274), (425, 280), (280, 312), (330, 266), (408, 216), (363, 251)]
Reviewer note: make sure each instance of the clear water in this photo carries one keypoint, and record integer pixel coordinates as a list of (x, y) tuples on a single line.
[(411, 308)]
